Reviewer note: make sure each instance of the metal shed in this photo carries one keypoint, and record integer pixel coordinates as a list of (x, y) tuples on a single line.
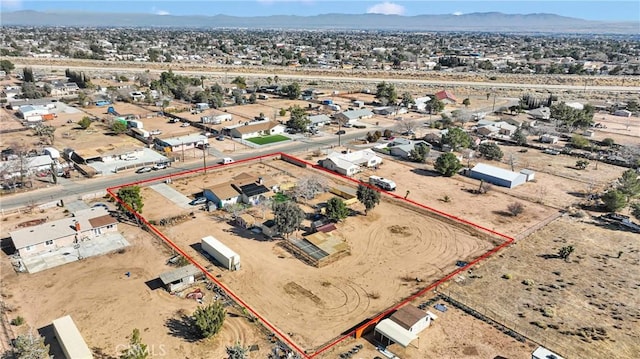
[(497, 176), (180, 278), (388, 332)]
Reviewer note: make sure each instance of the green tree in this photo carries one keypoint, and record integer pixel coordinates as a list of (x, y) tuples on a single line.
[(299, 119), (336, 209), (85, 122), (287, 217), (579, 141), (571, 117), (137, 349), (253, 98), (282, 112), (6, 66), (293, 91), (237, 352), (368, 196), (565, 252), (448, 164), (419, 153), (130, 196), (519, 137), (635, 210), (30, 346), (466, 102), (407, 99), (240, 82), (629, 184), (209, 319), (31, 91), (27, 75), (118, 127), (614, 200), (435, 105), (491, 151), (456, 138), (386, 93)]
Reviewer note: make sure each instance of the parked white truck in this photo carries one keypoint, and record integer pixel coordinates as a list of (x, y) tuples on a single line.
[(385, 184)]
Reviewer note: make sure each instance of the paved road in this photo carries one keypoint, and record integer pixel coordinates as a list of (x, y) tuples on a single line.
[(303, 77), (72, 189)]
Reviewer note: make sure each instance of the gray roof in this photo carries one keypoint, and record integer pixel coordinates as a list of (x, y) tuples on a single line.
[(55, 229), (177, 141), (180, 273), (319, 119), (357, 114)]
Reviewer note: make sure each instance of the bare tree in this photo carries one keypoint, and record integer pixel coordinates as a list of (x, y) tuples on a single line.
[(265, 205), (462, 116), (406, 125), (310, 186), (515, 208)]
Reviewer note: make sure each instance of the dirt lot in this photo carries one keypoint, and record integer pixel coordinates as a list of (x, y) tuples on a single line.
[(106, 305), (288, 292), (586, 307)]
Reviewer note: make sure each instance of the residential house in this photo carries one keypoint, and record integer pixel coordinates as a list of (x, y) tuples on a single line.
[(244, 188), (390, 110), (622, 113), (83, 226), (352, 116), (256, 129), (487, 128), (176, 144), (541, 113), (546, 138), (59, 88), (28, 111), (350, 163), (420, 103), (29, 165), (319, 120), (446, 97), (402, 147)]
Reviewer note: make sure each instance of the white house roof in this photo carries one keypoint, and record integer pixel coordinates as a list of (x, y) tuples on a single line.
[(495, 172), (359, 157), (55, 229), (177, 141), (340, 162), (319, 119), (395, 332), (357, 114)]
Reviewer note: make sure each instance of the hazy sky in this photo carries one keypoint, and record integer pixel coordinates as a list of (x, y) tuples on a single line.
[(585, 9)]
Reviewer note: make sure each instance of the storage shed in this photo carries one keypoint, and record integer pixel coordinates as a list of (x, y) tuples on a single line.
[(497, 176), (221, 253), (412, 319), (70, 339), (180, 278), (388, 332)]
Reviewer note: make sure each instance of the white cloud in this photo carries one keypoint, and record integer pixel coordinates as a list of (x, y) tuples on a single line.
[(386, 8), (458, 13), (157, 11)]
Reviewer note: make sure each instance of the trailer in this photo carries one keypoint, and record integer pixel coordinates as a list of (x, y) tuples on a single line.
[(70, 339), (385, 184), (222, 118), (221, 253)]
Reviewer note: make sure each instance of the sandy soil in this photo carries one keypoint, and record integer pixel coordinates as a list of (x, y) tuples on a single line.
[(106, 305), (600, 282), (287, 292)]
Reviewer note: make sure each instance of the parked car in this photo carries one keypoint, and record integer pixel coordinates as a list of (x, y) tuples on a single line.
[(227, 160), (185, 124), (159, 166), (155, 132), (197, 201), (220, 138), (143, 170), (341, 132), (550, 151)]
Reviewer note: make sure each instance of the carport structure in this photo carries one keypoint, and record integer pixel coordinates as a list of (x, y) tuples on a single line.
[(388, 332)]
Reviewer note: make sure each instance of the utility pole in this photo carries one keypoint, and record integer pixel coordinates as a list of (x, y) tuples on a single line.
[(204, 158)]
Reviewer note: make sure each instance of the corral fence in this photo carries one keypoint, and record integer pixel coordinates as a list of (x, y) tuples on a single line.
[(519, 331)]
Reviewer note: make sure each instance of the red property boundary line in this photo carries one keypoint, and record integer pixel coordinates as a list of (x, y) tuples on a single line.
[(282, 156)]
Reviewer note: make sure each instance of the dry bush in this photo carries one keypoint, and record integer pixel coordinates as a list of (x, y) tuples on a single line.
[(515, 208), (374, 295)]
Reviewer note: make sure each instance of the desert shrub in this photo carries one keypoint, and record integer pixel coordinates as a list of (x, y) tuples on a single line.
[(548, 312), (506, 276), (515, 208), (528, 282), (17, 321), (374, 295)]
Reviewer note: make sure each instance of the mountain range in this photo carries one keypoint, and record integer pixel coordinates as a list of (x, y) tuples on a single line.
[(473, 22)]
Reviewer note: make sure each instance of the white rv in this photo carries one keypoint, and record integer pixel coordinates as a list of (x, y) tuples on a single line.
[(385, 184)]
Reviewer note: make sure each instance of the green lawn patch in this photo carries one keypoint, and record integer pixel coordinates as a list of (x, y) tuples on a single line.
[(263, 140)]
